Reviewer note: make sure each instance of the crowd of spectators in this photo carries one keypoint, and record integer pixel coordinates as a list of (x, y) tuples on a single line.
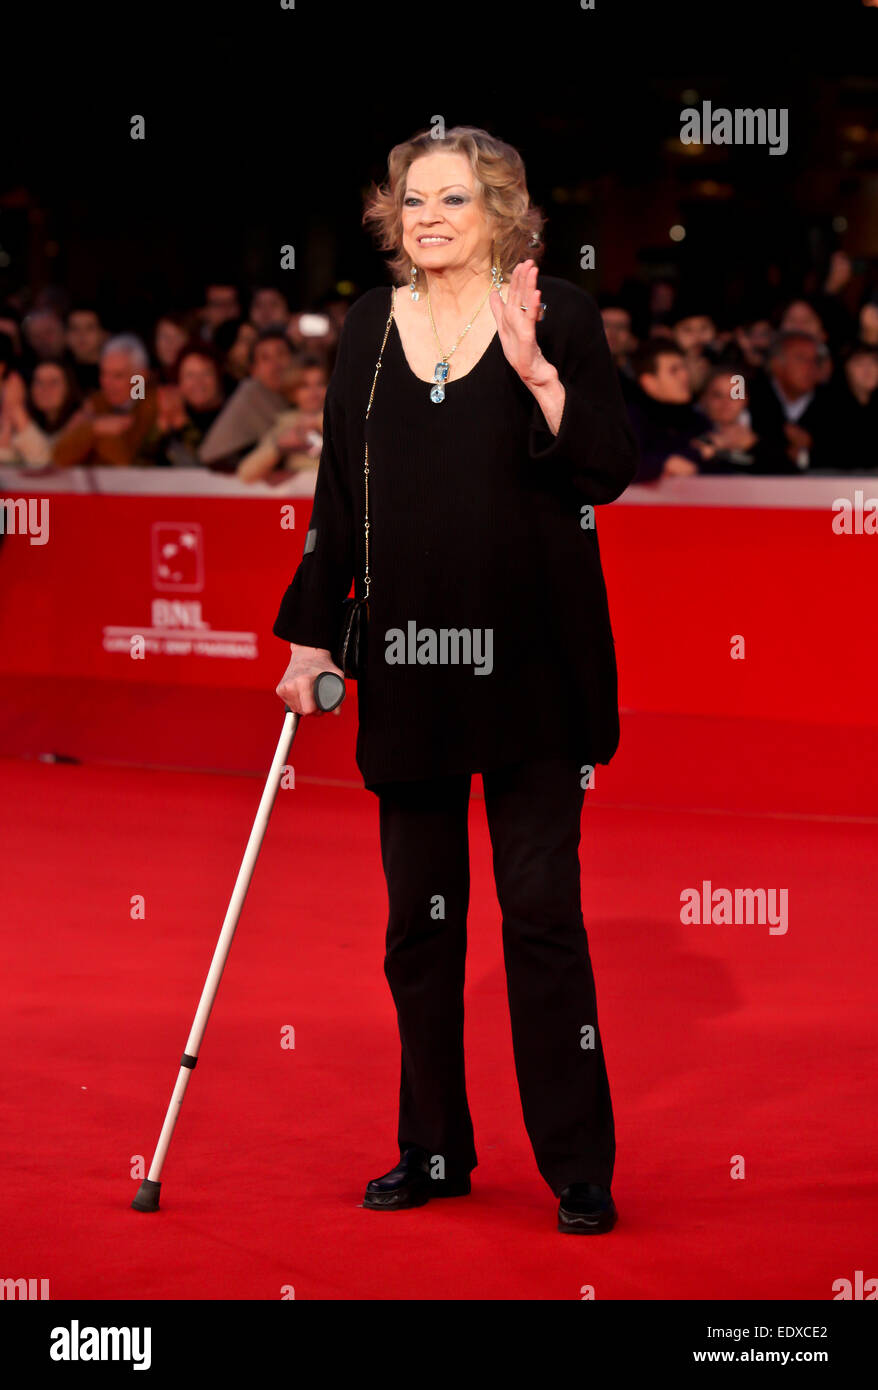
[(227, 388), (769, 390), (238, 387)]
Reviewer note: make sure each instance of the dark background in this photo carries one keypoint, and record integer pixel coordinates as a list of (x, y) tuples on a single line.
[(265, 127)]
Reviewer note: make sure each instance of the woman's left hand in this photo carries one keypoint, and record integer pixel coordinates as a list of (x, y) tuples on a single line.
[(517, 327)]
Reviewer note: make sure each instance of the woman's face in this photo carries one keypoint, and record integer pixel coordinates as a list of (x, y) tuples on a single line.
[(310, 393), (718, 402), (85, 337), (49, 388), (169, 339), (869, 323), (238, 355), (198, 382), (443, 221), (862, 372)]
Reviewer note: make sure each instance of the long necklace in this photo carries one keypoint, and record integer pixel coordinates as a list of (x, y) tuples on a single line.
[(440, 371)]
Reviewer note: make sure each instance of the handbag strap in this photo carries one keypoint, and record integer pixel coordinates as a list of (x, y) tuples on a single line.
[(367, 578)]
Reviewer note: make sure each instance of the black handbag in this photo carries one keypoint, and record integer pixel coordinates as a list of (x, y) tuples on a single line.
[(350, 655)]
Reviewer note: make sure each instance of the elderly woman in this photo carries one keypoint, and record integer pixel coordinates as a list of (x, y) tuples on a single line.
[(495, 426)]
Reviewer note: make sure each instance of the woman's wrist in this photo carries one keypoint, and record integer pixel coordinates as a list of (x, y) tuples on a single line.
[(549, 394)]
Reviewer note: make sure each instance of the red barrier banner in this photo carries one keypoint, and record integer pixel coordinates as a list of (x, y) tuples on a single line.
[(151, 589), (761, 610)]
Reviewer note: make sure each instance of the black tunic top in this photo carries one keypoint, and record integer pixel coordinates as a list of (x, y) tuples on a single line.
[(489, 635)]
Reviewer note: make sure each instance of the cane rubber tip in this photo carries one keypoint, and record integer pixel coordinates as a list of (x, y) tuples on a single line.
[(147, 1198)]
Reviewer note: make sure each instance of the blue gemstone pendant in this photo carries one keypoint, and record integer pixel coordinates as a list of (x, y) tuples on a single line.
[(440, 376)]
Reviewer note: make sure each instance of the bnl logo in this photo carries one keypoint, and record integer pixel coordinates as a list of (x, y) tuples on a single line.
[(177, 556), (21, 1289)]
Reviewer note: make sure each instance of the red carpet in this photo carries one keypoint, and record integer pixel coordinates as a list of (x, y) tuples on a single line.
[(721, 1040)]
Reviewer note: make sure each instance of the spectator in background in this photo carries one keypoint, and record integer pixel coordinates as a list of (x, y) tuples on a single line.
[(172, 333), (730, 443), (789, 406), (44, 338), (308, 384), (268, 309), (29, 428), (9, 326), (620, 339), (254, 406), (750, 343), (868, 323), (694, 333), (188, 407), (854, 409), (801, 317), (12, 387), (221, 302), (54, 297), (662, 294), (234, 341), (661, 412), (336, 306), (112, 428), (85, 337), (833, 301), (294, 442), (313, 333)]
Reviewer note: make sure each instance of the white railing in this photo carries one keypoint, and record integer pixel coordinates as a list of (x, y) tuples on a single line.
[(817, 491)]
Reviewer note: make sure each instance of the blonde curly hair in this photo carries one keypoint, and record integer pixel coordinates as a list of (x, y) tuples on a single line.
[(498, 171)]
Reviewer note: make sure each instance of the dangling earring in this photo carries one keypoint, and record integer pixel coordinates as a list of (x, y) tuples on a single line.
[(496, 272), (414, 283)]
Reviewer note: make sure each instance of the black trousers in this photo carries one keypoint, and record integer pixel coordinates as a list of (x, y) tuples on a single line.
[(534, 811)]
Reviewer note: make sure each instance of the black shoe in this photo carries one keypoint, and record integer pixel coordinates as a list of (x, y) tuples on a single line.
[(409, 1184), (586, 1209)]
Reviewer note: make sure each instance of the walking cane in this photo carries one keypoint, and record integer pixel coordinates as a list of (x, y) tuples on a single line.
[(329, 691)]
